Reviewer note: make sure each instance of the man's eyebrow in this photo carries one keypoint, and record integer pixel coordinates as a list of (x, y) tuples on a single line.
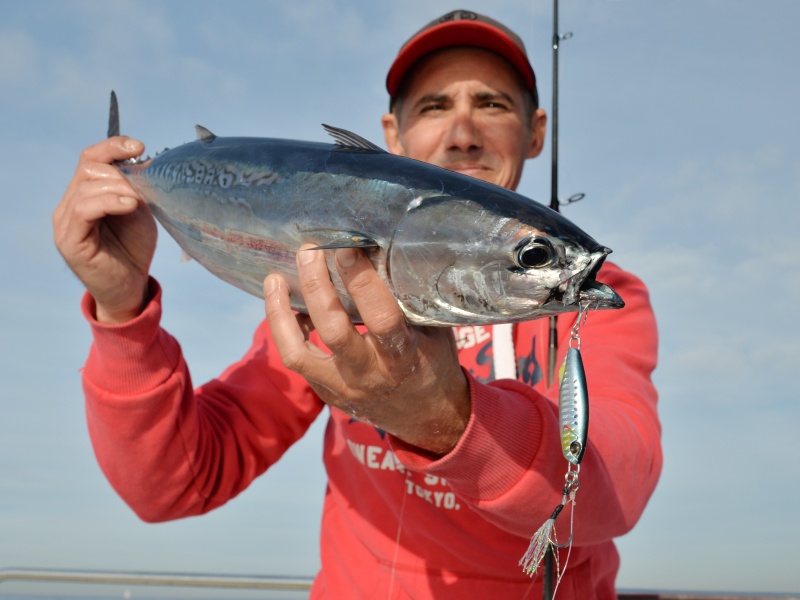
[(488, 96), (431, 98), (485, 96)]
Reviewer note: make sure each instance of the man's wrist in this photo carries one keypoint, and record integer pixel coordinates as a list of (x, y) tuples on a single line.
[(115, 315)]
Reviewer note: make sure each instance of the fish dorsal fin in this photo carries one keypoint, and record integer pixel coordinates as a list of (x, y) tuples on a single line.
[(204, 136), (351, 141)]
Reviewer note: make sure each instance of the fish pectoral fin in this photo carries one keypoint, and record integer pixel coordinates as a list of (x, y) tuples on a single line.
[(347, 140), (342, 239)]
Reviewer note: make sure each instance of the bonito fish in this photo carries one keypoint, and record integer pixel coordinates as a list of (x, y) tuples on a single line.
[(454, 250)]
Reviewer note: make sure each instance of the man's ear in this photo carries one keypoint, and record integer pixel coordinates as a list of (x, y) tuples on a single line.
[(539, 130), (391, 133)]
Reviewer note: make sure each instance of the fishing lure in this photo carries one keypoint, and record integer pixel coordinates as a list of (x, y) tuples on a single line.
[(573, 411), (573, 407)]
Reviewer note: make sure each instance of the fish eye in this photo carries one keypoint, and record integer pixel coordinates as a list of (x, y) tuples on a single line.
[(536, 253)]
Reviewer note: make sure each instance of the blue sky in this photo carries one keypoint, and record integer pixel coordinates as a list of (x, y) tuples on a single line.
[(678, 121)]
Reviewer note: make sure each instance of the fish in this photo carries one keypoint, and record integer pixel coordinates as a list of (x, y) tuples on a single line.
[(454, 250)]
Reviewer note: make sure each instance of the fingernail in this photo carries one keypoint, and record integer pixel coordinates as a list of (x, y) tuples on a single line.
[(132, 146), (346, 257)]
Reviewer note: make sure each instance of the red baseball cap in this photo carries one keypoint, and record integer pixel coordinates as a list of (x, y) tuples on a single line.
[(461, 28)]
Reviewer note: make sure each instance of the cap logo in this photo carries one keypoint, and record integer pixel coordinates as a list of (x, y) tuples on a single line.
[(459, 15)]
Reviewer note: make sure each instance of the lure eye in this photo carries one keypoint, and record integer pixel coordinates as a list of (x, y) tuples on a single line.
[(575, 448), (537, 253)]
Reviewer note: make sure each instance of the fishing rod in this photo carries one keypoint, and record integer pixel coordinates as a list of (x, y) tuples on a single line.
[(555, 204), (548, 590)]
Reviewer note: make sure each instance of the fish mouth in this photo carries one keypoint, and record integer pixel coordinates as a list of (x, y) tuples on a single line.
[(595, 295), (584, 290)]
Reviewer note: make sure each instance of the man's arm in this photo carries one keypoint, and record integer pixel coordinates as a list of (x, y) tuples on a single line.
[(171, 451), (498, 446), (508, 465)]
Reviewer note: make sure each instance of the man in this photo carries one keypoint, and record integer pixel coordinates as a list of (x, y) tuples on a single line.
[(437, 475)]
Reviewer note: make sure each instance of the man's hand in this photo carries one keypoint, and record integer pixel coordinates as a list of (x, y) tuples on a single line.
[(405, 380), (104, 232)]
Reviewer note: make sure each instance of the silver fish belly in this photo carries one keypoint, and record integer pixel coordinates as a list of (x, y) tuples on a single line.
[(454, 250)]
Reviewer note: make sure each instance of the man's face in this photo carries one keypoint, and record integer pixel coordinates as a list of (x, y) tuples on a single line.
[(464, 109)]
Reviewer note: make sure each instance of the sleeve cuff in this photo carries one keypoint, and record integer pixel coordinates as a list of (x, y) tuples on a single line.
[(134, 357)]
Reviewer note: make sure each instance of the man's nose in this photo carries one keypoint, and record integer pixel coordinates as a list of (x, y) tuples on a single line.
[(464, 134)]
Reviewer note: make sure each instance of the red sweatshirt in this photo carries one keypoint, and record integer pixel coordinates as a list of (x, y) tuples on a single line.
[(396, 524)]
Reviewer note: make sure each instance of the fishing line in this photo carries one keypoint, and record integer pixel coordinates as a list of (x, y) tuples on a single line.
[(569, 550), (406, 478)]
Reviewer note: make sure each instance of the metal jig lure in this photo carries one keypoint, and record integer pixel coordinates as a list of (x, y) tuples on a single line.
[(573, 411), (573, 400)]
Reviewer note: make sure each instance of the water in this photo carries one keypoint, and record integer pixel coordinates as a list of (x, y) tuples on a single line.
[(16, 590), (155, 594)]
